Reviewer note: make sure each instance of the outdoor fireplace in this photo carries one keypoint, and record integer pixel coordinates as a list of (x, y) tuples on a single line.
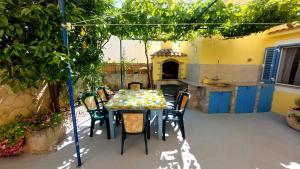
[(170, 70), (168, 67)]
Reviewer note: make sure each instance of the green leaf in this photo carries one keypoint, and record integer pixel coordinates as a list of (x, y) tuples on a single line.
[(1, 33), (25, 11)]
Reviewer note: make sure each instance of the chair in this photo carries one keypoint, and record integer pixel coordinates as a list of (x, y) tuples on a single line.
[(173, 102), (134, 122), (171, 97), (96, 112), (104, 98), (103, 94), (135, 85), (176, 115)]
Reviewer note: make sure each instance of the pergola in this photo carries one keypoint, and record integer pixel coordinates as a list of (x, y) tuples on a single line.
[(70, 83)]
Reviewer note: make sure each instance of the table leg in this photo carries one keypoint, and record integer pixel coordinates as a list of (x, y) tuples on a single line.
[(160, 121), (111, 124)]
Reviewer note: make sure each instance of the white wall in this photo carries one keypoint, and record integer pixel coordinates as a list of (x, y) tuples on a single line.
[(133, 50)]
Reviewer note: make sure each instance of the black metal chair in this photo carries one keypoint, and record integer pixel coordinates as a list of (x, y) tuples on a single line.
[(135, 85), (96, 112), (134, 122), (176, 115)]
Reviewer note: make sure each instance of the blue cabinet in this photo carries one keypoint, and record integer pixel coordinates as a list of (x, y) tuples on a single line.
[(219, 102), (265, 98), (245, 100)]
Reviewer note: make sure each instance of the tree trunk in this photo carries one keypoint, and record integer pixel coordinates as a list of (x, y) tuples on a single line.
[(150, 85), (54, 97)]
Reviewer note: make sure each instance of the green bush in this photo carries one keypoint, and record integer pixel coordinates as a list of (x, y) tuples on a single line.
[(41, 120), (12, 133)]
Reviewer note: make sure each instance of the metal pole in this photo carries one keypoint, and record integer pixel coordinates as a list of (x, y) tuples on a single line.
[(70, 82), (121, 65)]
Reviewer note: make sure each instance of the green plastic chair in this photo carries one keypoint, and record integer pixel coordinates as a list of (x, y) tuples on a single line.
[(176, 115), (134, 122), (96, 112)]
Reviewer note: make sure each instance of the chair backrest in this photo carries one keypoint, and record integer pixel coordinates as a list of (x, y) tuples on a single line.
[(90, 101), (178, 97), (184, 100), (133, 121), (135, 85), (102, 94)]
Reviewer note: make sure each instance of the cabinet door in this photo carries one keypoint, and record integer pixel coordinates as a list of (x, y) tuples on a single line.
[(265, 98), (213, 102), (224, 102), (245, 101), (219, 102)]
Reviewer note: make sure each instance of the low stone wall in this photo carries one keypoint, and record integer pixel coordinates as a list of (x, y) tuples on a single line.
[(114, 80), (24, 102), (46, 140)]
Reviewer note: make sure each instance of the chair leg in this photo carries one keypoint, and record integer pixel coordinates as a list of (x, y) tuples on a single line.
[(117, 118), (145, 140), (148, 117), (92, 127), (107, 128), (101, 123), (182, 128), (164, 130), (148, 129), (122, 142)]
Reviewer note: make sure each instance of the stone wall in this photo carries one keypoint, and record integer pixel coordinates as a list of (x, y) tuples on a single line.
[(193, 72), (23, 102), (113, 80), (225, 72)]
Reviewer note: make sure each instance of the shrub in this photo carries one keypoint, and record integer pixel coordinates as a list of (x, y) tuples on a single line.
[(41, 121), (11, 139), (12, 135)]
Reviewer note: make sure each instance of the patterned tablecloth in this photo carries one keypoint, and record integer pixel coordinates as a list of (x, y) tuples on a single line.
[(137, 100)]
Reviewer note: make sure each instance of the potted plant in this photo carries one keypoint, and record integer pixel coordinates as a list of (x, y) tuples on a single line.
[(293, 116), (43, 131), (12, 139)]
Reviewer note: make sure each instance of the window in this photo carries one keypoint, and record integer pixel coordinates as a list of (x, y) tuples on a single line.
[(289, 66)]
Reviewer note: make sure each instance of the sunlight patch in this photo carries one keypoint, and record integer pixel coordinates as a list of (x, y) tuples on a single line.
[(168, 155), (292, 165)]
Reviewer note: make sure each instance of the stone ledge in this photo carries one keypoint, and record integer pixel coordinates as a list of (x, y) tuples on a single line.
[(46, 140)]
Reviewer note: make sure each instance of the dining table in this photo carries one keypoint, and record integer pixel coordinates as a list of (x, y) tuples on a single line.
[(124, 99)]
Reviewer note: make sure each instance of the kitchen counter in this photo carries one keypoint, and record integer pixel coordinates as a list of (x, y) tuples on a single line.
[(203, 95)]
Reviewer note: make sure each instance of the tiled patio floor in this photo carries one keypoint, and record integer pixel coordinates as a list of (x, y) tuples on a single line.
[(221, 141)]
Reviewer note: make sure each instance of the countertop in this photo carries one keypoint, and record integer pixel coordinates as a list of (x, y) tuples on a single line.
[(231, 84)]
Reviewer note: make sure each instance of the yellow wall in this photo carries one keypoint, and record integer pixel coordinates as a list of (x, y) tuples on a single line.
[(283, 100), (241, 50), (233, 51), (192, 50)]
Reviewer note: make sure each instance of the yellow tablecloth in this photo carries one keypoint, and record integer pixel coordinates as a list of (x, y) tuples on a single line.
[(137, 100)]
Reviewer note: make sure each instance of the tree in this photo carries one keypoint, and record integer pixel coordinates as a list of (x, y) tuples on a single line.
[(32, 47), (133, 15)]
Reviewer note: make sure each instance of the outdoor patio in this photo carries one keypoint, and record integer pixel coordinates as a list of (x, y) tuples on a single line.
[(213, 141)]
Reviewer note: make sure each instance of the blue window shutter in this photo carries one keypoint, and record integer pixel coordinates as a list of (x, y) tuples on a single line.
[(270, 68), (275, 63)]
